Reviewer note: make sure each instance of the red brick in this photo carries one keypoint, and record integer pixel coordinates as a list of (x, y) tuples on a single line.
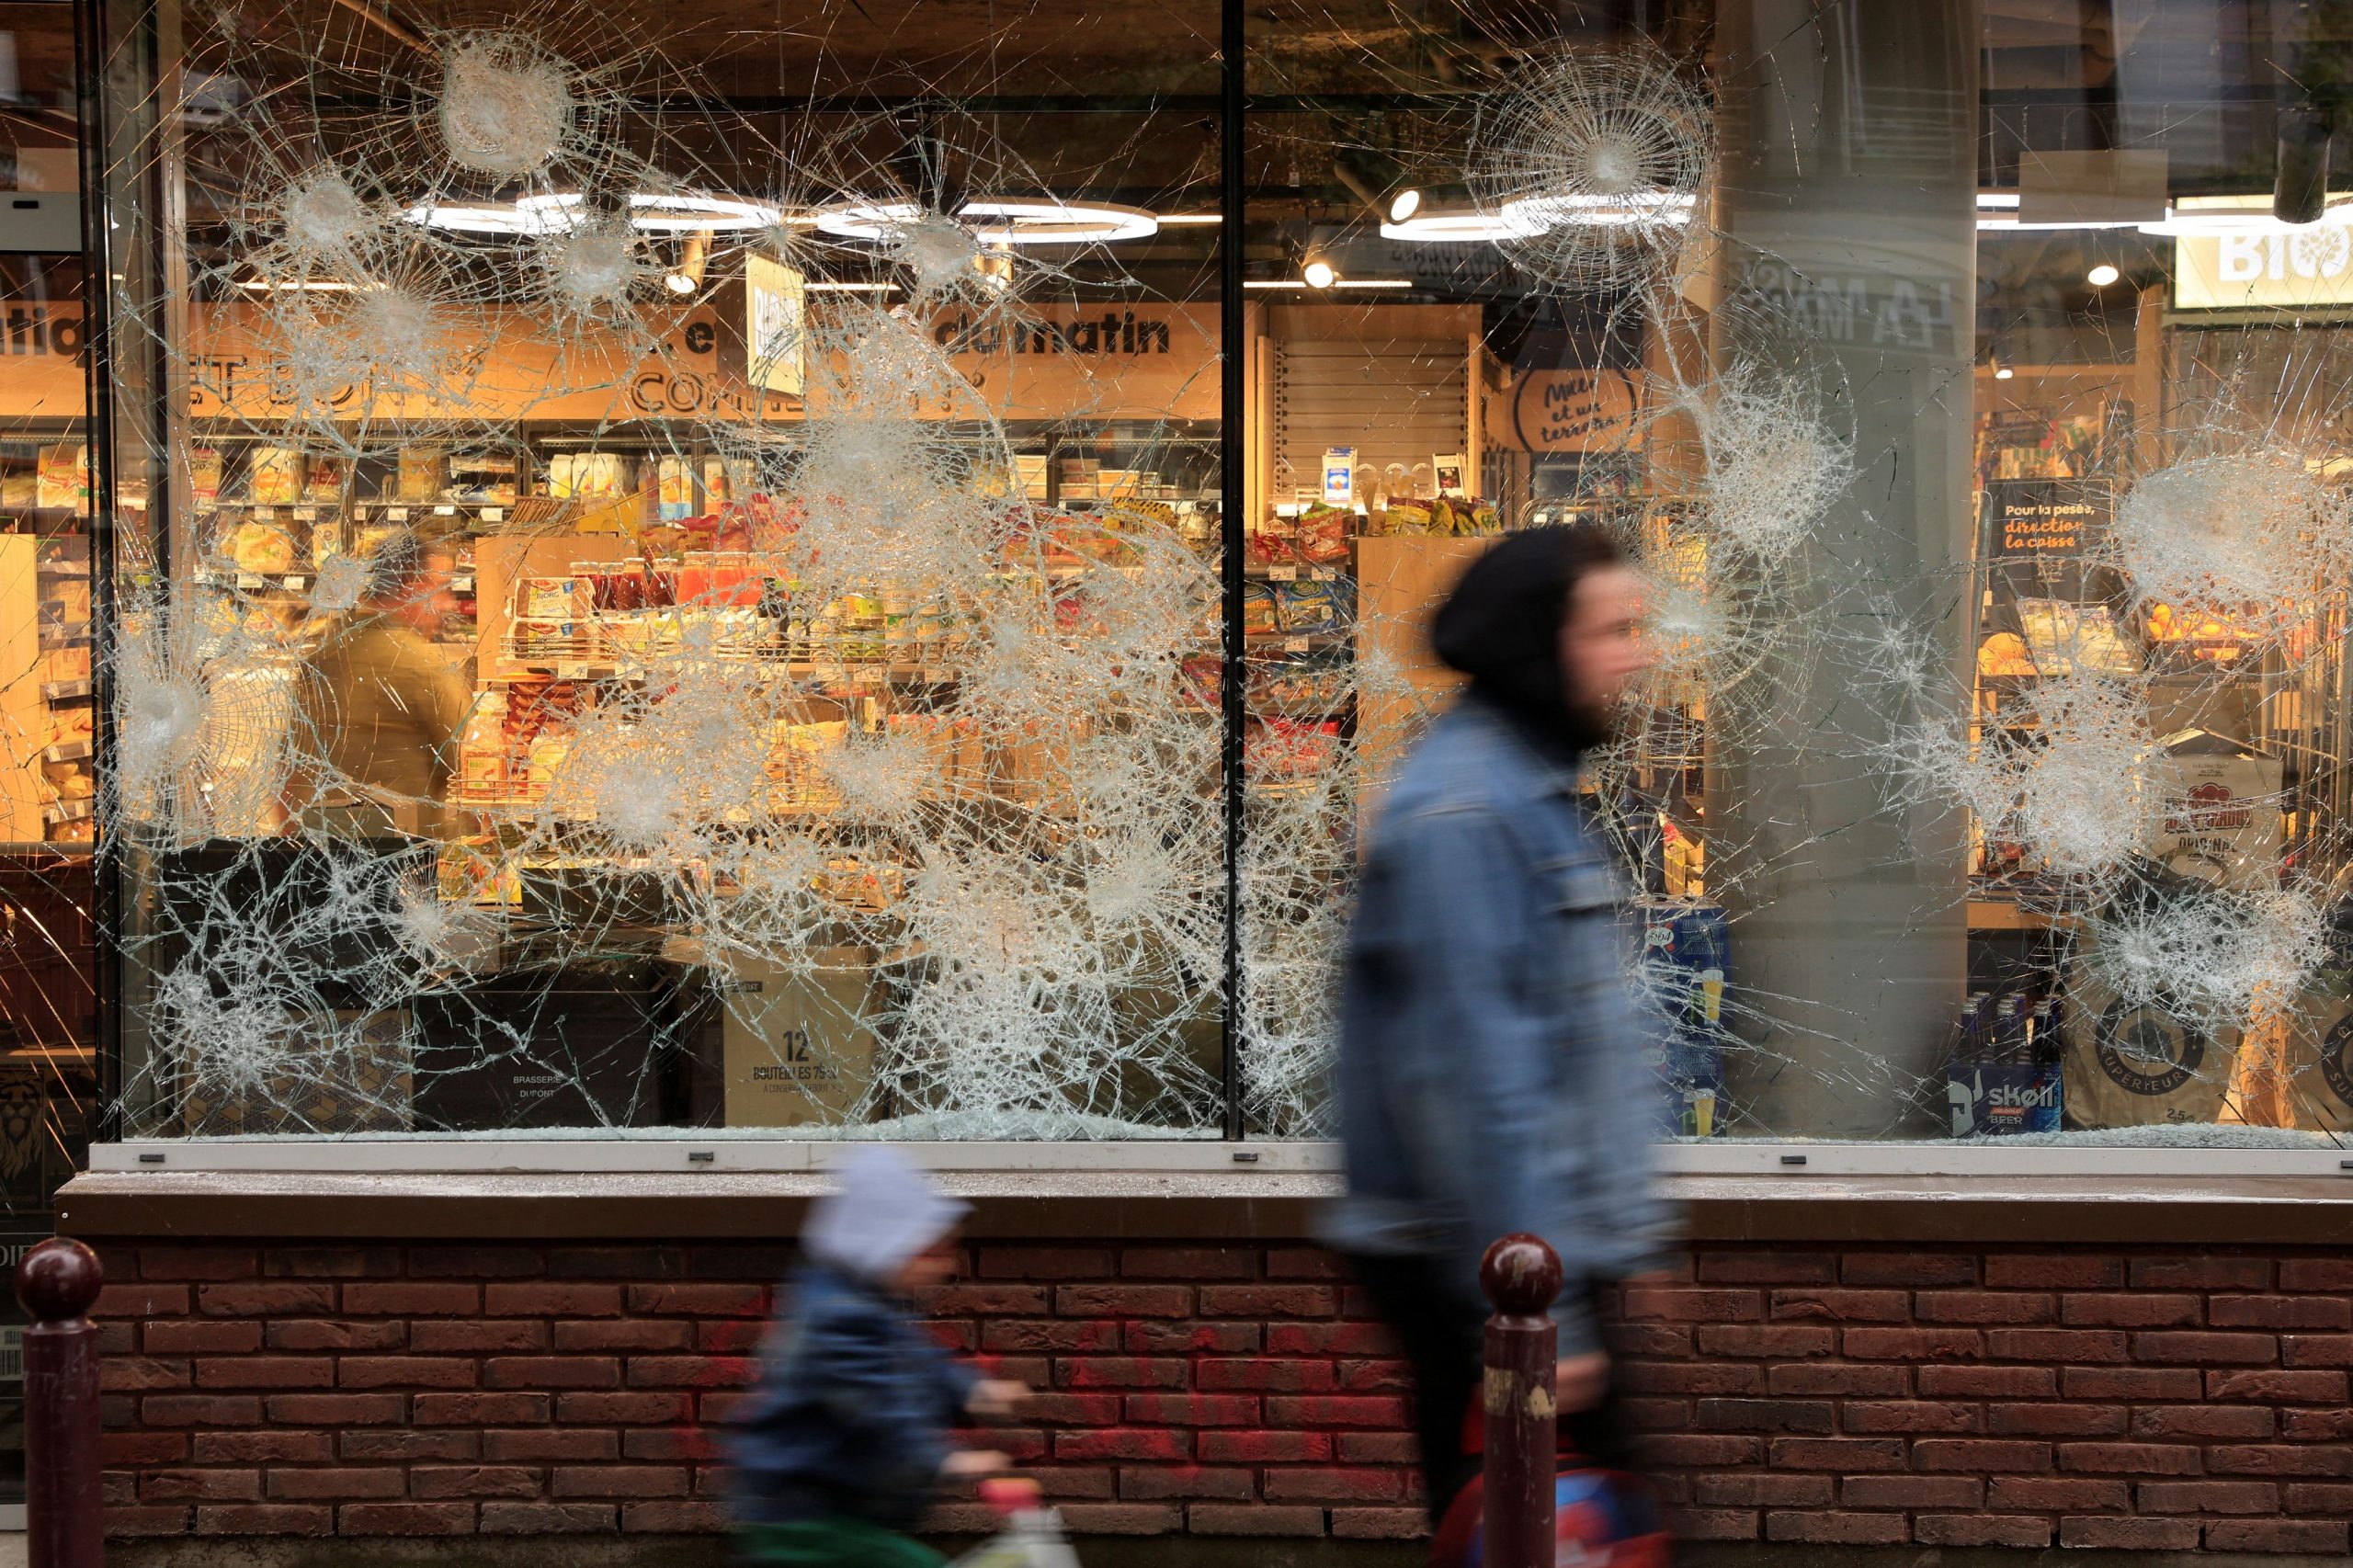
[(2127, 1382), (260, 1447), (428, 1481), (1153, 1337), (1192, 1409), (1770, 1268), (2317, 1349), (2333, 1424), (1742, 1489), (697, 1301), (550, 1518), (1188, 1263), (2209, 1497), (1165, 1484), (1268, 1301), (158, 1520), (2119, 1309), (1984, 1306), (200, 1410), (1257, 1373), (1863, 1416), (1304, 1263), (1144, 1372), (551, 1447), (2130, 1458), (1144, 1443), (1050, 1333), (675, 1445), (381, 1447), (2278, 1458), (1318, 1484), (1335, 1410), (734, 1337), (2058, 1345), (1380, 1524), (617, 1481), (692, 1371), (146, 1448), (1331, 1339), (1913, 1344), (1980, 1454), (1918, 1270), (2319, 1497), (674, 1519), (2199, 1272), (1692, 1376), (2224, 1349), (307, 1485), (2054, 1271), (1839, 1306), (1852, 1454), (1911, 1492), (333, 1333), (1987, 1382), (1264, 1447), (266, 1518), (477, 1336), (136, 1374), (2202, 1421), (2276, 1535), (620, 1409), (1655, 1338), (1768, 1341), (341, 1262), (1980, 1529), (1379, 1448), (1044, 1263), (1714, 1524), (404, 1371), (1073, 1409), (2279, 1312), (2130, 1535), (2278, 1388), (991, 1299), (196, 1262), (1120, 1519), (2316, 1274), (1226, 1518), (169, 1339), (202, 1486), (1683, 1304), (2043, 1420), (1839, 1378), (474, 1262), (551, 1373), (265, 1372), (405, 1518), (1764, 1415), (480, 1409), (409, 1297), (1842, 1530), (2057, 1494), (547, 1298), (132, 1301)]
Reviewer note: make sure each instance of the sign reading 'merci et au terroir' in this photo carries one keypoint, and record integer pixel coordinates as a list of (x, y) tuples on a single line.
[(2267, 267)]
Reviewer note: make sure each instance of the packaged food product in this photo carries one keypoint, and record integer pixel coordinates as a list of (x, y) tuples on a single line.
[(1406, 517), (545, 598), (1200, 680), (1307, 683), (204, 475), (1304, 608), (424, 474), (675, 483), (63, 479), (1324, 536), (322, 481), (1258, 613), (259, 547)]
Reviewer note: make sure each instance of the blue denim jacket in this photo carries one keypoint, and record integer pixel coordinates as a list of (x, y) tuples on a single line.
[(1490, 1075), (852, 1410)]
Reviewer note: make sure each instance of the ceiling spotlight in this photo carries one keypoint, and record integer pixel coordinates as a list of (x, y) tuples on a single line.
[(1405, 204), (687, 277), (2003, 372), (1319, 273), (2103, 275)]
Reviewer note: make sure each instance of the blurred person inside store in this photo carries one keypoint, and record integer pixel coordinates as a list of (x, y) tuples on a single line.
[(380, 705), (1491, 1077)]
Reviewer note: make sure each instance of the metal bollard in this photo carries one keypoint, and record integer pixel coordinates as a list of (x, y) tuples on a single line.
[(57, 1281), (1521, 1276)]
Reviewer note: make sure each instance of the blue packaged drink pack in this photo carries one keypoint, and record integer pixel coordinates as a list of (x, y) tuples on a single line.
[(1685, 961)]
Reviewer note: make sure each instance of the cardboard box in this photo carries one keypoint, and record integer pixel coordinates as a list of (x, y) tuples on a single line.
[(796, 1048)]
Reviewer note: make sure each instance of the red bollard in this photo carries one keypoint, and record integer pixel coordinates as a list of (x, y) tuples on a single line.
[(1521, 1276), (57, 1281)]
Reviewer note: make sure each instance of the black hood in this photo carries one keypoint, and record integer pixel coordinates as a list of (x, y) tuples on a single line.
[(1502, 627)]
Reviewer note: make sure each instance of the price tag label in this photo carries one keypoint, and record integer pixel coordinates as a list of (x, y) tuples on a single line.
[(1294, 644), (1282, 574), (462, 585), (397, 514), (572, 669), (248, 580), (265, 514), (445, 511), (295, 582), (494, 514), (306, 514)]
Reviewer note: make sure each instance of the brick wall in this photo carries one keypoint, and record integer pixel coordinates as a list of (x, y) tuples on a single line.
[(2151, 1400)]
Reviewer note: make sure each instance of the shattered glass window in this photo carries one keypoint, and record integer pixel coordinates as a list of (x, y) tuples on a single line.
[(856, 572)]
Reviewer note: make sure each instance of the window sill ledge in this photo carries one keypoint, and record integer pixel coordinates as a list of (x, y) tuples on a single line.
[(1237, 1203)]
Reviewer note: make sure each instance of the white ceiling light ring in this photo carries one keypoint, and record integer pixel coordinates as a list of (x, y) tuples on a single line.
[(866, 219), (481, 217), (1043, 221), (1456, 227), (681, 214), (1539, 215)]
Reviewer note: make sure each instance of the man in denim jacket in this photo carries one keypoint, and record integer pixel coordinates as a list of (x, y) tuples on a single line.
[(1491, 1077)]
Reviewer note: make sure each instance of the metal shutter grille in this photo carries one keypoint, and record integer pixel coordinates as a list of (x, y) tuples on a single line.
[(1402, 403)]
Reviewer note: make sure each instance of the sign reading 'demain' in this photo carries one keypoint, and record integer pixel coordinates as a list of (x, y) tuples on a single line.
[(2231, 269)]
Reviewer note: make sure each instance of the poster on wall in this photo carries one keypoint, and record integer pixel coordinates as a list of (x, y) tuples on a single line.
[(2045, 609), (1339, 475), (776, 308)]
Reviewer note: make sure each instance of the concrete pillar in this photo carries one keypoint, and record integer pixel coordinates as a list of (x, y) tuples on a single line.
[(1847, 202)]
